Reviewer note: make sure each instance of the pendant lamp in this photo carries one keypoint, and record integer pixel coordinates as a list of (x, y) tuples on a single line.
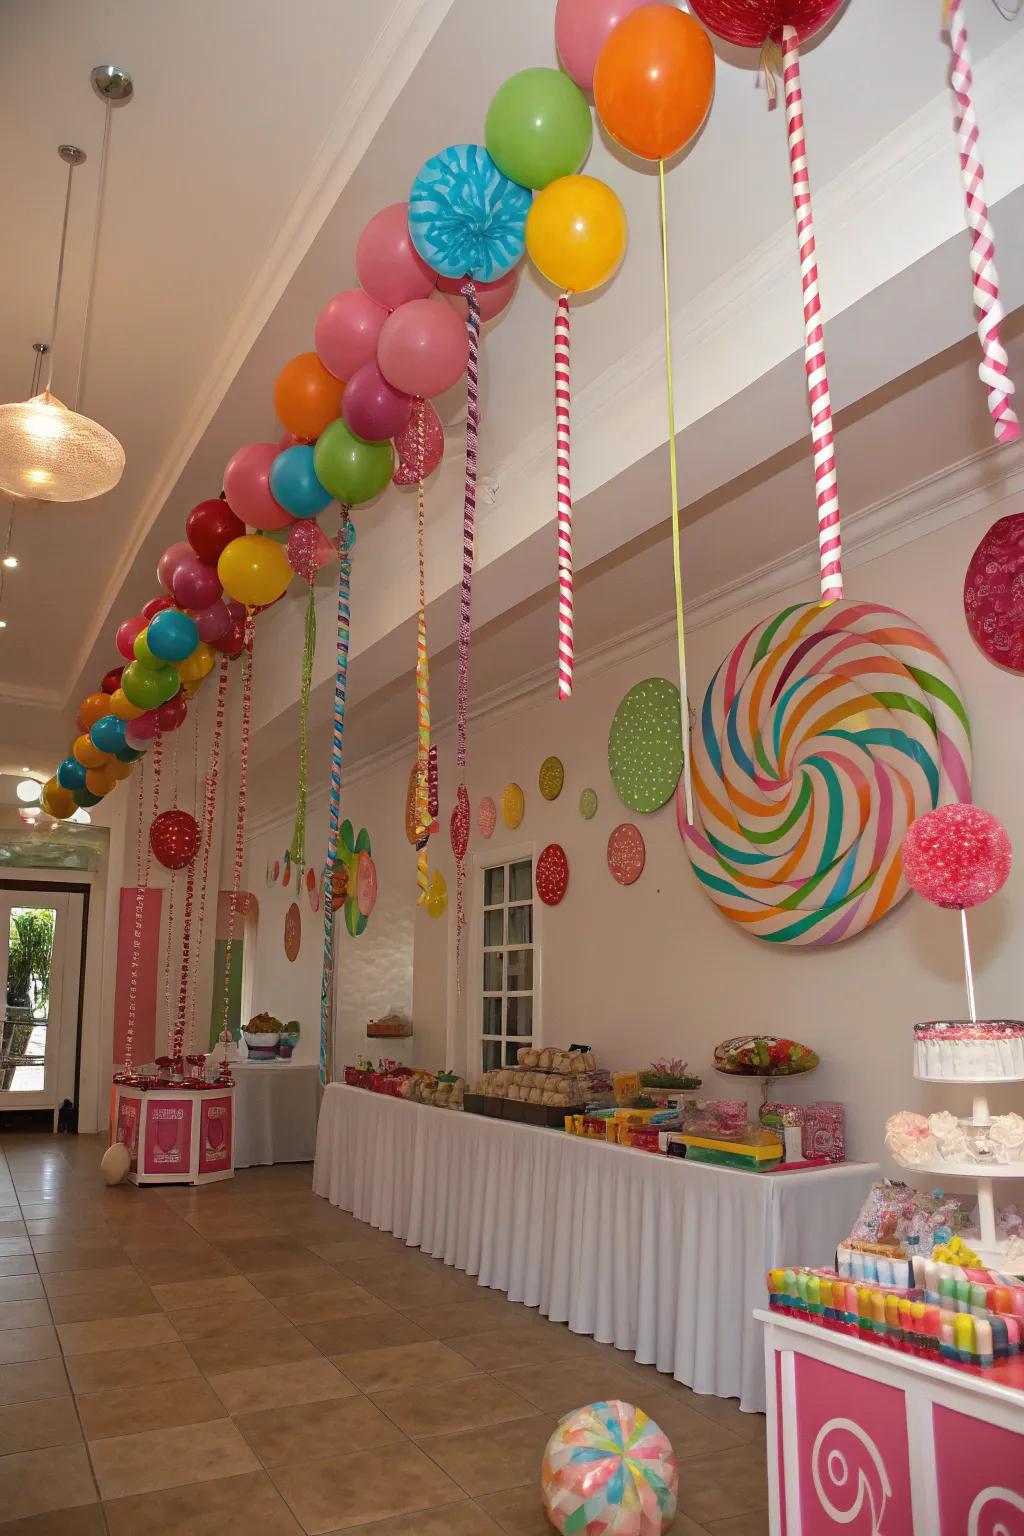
[(49, 452)]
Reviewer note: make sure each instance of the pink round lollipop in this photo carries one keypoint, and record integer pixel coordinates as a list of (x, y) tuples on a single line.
[(486, 816), (957, 855), (994, 593)]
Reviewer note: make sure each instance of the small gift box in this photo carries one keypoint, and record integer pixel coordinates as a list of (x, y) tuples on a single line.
[(824, 1132)]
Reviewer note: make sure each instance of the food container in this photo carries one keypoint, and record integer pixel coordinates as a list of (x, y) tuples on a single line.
[(473, 1103)]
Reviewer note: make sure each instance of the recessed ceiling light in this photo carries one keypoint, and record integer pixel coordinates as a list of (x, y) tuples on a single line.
[(26, 770), (3, 623), (11, 562), (28, 791)]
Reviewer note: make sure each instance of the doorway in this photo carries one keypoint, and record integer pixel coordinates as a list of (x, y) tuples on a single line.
[(41, 964)]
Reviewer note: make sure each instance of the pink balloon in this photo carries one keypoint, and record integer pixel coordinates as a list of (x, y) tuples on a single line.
[(140, 731), (247, 488), (491, 297), (169, 560), (347, 331), (286, 440), (413, 464), (196, 584), (423, 347), (581, 31), (388, 264), (371, 407), (127, 633), (213, 622), (309, 549), (156, 605)]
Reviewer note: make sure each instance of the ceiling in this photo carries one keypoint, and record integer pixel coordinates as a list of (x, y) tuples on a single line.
[(239, 178)]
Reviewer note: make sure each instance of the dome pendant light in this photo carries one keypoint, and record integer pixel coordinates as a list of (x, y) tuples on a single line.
[(48, 452)]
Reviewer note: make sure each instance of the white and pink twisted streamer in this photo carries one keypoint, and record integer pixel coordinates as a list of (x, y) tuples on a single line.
[(994, 367), (564, 494), (830, 550)]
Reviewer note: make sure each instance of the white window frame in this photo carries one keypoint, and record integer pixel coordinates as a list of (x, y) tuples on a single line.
[(473, 956)]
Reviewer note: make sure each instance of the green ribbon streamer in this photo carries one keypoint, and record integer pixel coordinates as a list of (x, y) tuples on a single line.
[(298, 847)]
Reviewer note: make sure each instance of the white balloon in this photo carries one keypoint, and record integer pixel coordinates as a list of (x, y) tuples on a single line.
[(115, 1162)]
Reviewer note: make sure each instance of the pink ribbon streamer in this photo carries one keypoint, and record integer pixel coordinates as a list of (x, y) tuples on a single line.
[(465, 612), (830, 552), (994, 367), (566, 649)]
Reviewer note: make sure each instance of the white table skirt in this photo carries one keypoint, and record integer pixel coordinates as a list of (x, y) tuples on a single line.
[(661, 1257), (275, 1112)]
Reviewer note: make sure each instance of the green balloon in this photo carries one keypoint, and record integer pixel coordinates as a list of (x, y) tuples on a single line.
[(538, 127), (149, 687), (352, 469), (128, 755), (143, 655), (85, 798)]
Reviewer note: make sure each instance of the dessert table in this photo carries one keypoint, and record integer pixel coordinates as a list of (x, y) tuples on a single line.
[(275, 1112), (659, 1256)]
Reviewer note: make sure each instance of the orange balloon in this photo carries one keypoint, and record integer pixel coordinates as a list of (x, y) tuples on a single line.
[(117, 770), (122, 706), (92, 708), (306, 397), (654, 81), (100, 781), (88, 755)]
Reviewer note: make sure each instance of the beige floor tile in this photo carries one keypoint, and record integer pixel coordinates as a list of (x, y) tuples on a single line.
[(561, 1386), (13, 1226), (741, 1525), (349, 1335), (14, 1247), (405, 1365), (453, 1405), (87, 1520), (281, 1386), (255, 1255), (500, 1349), (349, 1250), (350, 1423), (217, 1356), (342, 1300), (21, 1288), (465, 1519), (226, 1290), (71, 1259), (489, 1463), (457, 1319), (31, 1426), (92, 1282), (131, 1367), (35, 1378), (405, 1292), (173, 1268), (33, 1482), (167, 1458), (23, 1314), (338, 1493), (247, 1505), (28, 1344), (163, 1405), (314, 1275), (242, 1317), (95, 1306), (65, 1239), (726, 1486), (19, 1264), (521, 1513), (115, 1333)]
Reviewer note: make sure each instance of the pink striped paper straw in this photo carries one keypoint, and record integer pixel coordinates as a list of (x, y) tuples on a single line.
[(830, 551), (564, 494), (994, 366)]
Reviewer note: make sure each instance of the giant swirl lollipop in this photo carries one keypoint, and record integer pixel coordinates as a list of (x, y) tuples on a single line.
[(825, 733)]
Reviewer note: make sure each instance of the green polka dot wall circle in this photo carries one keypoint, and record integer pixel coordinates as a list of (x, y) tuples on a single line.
[(645, 748)]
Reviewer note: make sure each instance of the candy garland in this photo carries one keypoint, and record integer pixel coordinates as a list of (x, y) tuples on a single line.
[(243, 789), (298, 844), (143, 866), (466, 602), (993, 369), (423, 817), (210, 783), (566, 645), (345, 540), (830, 552)]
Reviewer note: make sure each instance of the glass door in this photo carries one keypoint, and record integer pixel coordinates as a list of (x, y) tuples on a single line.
[(34, 951)]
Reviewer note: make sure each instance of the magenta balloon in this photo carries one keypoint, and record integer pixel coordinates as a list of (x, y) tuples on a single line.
[(423, 347), (388, 265), (347, 331), (140, 731), (234, 607), (371, 407), (196, 584), (169, 560), (492, 298), (247, 488), (213, 622), (581, 31), (127, 633)]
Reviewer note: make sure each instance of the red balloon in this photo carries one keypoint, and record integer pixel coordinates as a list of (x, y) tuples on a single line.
[(994, 593), (174, 839), (232, 642), (210, 527), (156, 605), (171, 715), (956, 856), (111, 680), (127, 633), (750, 23)]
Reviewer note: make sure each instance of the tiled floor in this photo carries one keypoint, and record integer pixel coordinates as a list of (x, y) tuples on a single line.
[(244, 1360)]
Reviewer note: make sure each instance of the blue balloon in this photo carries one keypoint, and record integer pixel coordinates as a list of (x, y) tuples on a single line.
[(71, 774), (172, 635), (465, 217), (107, 734), (294, 485)]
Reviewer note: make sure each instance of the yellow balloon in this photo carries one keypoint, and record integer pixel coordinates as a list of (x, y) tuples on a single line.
[(122, 706), (195, 667), (576, 233), (57, 801), (116, 769), (88, 755), (188, 689), (100, 781), (254, 570)]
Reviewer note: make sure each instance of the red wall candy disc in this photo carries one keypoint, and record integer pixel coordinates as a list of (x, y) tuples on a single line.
[(626, 853), (552, 875)]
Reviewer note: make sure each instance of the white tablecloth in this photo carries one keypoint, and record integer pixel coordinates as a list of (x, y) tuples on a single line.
[(275, 1112), (661, 1257)]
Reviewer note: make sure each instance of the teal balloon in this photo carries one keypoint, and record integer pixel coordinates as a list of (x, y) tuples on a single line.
[(171, 635), (538, 127), (128, 755), (71, 774), (350, 468), (85, 798), (107, 734), (294, 485), (149, 687)]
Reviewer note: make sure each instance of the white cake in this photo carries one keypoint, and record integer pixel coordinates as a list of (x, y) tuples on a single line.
[(958, 1050)]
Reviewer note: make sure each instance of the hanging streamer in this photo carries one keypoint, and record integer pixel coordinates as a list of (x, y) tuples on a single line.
[(994, 367), (298, 845), (345, 535), (243, 792), (466, 604), (830, 550), (566, 645), (143, 866), (208, 812), (423, 818)]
